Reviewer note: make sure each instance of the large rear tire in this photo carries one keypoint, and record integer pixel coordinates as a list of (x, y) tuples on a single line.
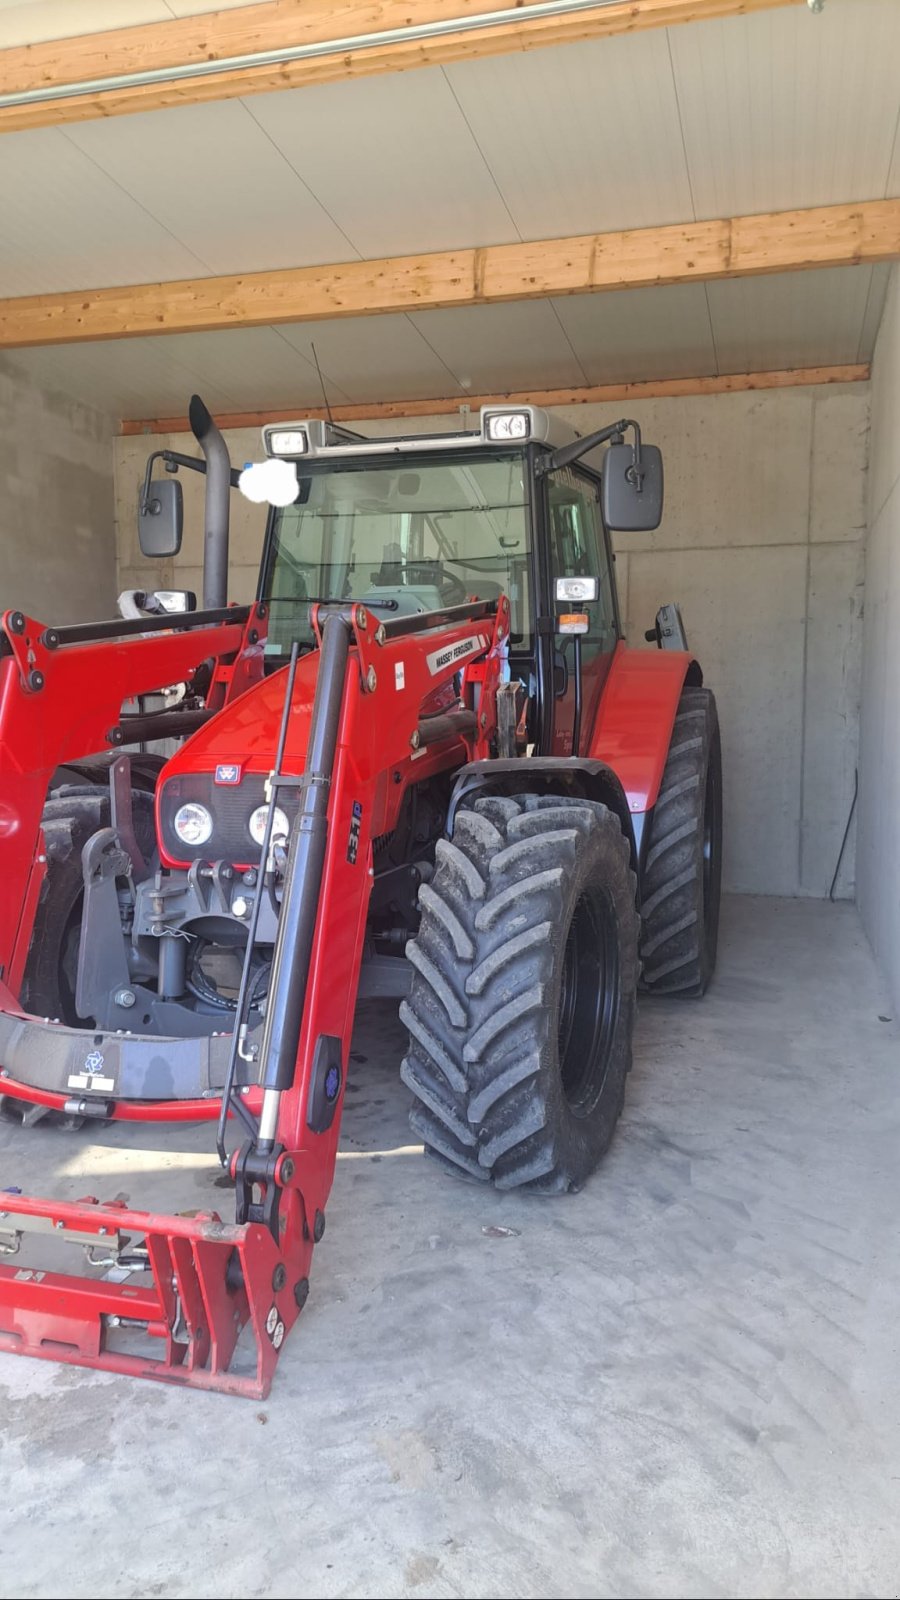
[(521, 1008), (682, 877)]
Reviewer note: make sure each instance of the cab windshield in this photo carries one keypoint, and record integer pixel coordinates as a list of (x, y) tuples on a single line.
[(402, 538)]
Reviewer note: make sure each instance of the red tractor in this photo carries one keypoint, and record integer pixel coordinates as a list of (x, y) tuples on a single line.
[(422, 764)]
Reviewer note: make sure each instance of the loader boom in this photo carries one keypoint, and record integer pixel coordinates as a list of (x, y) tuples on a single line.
[(209, 1281)]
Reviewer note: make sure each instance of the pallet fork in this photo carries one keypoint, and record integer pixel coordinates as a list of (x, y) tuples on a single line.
[(209, 1281)]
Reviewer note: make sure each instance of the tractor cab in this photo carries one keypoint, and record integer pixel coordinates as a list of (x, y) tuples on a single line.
[(520, 506)]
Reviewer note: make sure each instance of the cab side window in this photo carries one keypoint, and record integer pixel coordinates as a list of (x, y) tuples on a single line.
[(578, 548)]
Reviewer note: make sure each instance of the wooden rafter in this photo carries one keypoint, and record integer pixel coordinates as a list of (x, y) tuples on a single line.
[(731, 247), (596, 394), (337, 32)]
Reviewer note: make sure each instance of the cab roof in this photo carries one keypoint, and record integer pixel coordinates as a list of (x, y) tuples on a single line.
[(315, 439)]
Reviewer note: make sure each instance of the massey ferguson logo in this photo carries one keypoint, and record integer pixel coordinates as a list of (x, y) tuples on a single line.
[(440, 660), (92, 1075)]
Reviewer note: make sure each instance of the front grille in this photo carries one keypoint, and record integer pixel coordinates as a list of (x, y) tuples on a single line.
[(231, 807)]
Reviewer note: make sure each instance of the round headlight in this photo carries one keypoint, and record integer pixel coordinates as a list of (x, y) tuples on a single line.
[(193, 823), (257, 824)]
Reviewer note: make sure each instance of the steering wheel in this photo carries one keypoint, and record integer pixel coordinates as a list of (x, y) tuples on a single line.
[(458, 592)]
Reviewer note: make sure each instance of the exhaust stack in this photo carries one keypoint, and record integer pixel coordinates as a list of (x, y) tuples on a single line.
[(217, 505)]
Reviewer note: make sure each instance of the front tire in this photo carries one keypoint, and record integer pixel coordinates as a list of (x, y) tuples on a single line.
[(521, 1008)]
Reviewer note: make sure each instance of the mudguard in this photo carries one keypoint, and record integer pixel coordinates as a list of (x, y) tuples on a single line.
[(636, 715)]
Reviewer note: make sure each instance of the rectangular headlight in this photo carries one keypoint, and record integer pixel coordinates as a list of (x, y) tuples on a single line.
[(576, 588), (286, 441), (499, 426)]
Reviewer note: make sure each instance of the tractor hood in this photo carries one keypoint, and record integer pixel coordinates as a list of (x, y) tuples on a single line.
[(221, 771)]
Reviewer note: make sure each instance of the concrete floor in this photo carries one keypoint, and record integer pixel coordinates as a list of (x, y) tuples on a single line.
[(683, 1381)]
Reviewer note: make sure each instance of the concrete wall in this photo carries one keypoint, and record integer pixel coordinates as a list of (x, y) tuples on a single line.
[(762, 545), (879, 787), (57, 525)]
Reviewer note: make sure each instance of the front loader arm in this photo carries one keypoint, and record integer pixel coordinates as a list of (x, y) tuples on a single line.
[(61, 697), (391, 670), (209, 1281)]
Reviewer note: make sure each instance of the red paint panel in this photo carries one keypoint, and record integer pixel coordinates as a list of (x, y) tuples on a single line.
[(635, 719)]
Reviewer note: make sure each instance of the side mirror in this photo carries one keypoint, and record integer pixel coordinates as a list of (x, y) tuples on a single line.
[(176, 601), (161, 517), (632, 502)]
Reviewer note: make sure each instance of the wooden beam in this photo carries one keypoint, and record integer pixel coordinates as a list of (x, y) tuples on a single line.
[(597, 394), (348, 38), (733, 247)]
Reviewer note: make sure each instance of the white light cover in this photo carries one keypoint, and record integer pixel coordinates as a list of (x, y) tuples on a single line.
[(193, 824), (576, 588), (257, 824), (288, 442), (502, 425), (273, 482)]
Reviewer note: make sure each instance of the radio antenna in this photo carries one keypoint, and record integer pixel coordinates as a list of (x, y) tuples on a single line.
[(322, 382)]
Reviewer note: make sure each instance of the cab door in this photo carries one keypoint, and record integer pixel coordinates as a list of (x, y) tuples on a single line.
[(579, 547)]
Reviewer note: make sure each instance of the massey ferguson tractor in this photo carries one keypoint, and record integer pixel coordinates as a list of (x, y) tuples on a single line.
[(423, 764)]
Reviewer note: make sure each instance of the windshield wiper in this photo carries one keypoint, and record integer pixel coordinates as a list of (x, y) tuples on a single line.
[(331, 600)]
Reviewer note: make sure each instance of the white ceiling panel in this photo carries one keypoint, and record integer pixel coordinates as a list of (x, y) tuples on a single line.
[(196, 8), (255, 366), (501, 346), (373, 358), (126, 377), (66, 225), (791, 319), (878, 288), (581, 137), (392, 159), (893, 183), (636, 334), (214, 179), (31, 21), (786, 108)]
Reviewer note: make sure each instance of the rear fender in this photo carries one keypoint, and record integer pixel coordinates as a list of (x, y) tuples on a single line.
[(633, 727), (572, 777)]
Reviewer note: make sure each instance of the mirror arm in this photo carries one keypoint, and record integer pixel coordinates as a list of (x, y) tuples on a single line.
[(579, 447), (145, 492), (173, 460), (635, 473)]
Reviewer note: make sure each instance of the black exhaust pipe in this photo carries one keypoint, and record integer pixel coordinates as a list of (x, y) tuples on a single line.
[(217, 506)]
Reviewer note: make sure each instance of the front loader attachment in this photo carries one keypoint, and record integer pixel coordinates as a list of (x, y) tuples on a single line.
[(209, 1284), (188, 1298)]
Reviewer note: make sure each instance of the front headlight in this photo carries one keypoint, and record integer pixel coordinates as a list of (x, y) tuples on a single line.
[(507, 425), (257, 824), (193, 824)]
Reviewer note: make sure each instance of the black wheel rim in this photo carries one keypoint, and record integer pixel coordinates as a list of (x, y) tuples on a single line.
[(588, 1002)]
